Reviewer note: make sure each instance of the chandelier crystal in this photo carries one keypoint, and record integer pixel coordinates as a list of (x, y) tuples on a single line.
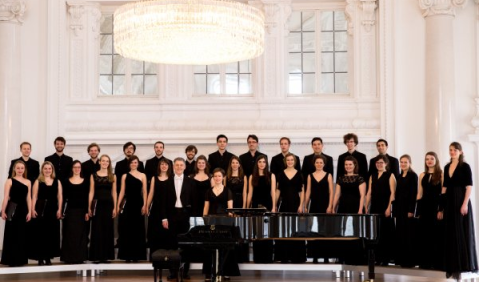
[(189, 32)]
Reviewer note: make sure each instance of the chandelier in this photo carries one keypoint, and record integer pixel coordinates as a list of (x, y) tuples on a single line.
[(188, 32)]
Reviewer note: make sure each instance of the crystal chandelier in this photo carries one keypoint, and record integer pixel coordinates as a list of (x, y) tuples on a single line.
[(189, 32)]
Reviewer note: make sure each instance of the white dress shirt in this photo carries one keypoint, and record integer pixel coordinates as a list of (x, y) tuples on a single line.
[(178, 185)]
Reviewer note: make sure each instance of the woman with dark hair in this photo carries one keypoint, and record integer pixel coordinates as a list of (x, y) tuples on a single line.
[(262, 184), (382, 188), (431, 231), (289, 185), (203, 183), (75, 217), (102, 208), (319, 188), (350, 189), (404, 207), (237, 182), (159, 184), (47, 200), (460, 240), (132, 210), (17, 191)]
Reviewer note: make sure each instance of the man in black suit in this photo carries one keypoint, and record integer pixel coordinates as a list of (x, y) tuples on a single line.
[(308, 165), (248, 159), (33, 166), (92, 165), (277, 162), (61, 162), (151, 167), (351, 141), (190, 152), (122, 166), (176, 206), (393, 166), (220, 158)]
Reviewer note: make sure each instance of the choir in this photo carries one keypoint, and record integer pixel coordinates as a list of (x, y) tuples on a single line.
[(426, 220)]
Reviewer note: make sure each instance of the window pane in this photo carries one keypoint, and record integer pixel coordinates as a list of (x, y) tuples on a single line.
[(213, 69), (231, 84), (118, 64), (245, 84), (106, 84), (105, 64), (151, 85), (327, 63), (295, 84), (106, 24), (341, 41), (106, 44), (341, 62), (308, 83), (327, 83), (200, 83), (137, 84), (309, 22), (295, 21), (341, 83), (199, 69), (232, 67), (294, 42), (245, 66), (151, 68), (327, 20), (340, 22), (294, 63), (309, 62), (326, 41), (213, 84), (136, 67), (309, 41), (118, 85)]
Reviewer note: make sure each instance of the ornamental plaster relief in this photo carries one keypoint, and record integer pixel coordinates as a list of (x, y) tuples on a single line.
[(368, 19), (12, 11), (441, 7)]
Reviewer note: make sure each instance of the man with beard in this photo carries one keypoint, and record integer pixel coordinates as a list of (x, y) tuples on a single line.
[(92, 165), (32, 166), (248, 159), (61, 162), (122, 166), (151, 166), (190, 152)]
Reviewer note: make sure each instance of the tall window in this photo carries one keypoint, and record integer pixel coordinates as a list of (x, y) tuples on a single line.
[(317, 47), (121, 76), (232, 78)]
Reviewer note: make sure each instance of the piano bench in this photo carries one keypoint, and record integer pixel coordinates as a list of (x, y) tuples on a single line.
[(167, 259)]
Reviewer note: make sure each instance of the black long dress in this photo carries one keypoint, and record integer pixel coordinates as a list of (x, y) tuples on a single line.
[(131, 225), (102, 241), (156, 232), (319, 194), (75, 228), (350, 196), (14, 251), (46, 242), (431, 231), (290, 188), (404, 203), (201, 188), (236, 184), (262, 193), (460, 239), (380, 196)]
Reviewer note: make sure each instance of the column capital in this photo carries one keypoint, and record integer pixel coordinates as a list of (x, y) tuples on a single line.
[(368, 19), (12, 11), (441, 7)]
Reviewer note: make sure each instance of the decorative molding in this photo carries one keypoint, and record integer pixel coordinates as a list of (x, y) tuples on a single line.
[(475, 120), (350, 13), (76, 11), (441, 7), (368, 19), (287, 11), (12, 11), (95, 26), (271, 16)]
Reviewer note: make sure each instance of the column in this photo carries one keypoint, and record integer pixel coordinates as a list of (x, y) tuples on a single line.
[(440, 80)]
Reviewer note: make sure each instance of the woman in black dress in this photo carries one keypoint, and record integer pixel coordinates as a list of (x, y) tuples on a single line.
[(262, 184), (47, 200), (460, 240), (319, 188), (217, 200), (75, 217), (132, 210), (350, 189), (431, 229), (289, 185), (159, 184), (17, 191), (237, 183), (102, 209), (382, 188), (203, 183), (404, 207)]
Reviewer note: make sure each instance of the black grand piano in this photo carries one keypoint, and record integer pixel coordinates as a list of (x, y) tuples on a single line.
[(257, 226)]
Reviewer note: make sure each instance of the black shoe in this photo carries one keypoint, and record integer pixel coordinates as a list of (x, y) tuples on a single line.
[(41, 262), (48, 262)]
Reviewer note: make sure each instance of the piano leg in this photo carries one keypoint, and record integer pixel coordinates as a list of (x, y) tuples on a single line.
[(371, 261)]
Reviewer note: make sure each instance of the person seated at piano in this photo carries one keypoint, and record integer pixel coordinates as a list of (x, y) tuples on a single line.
[(217, 200), (262, 184), (289, 185), (237, 183), (350, 189), (203, 183), (382, 188)]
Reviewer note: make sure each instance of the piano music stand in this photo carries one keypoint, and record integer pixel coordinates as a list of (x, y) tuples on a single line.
[(248, 212)]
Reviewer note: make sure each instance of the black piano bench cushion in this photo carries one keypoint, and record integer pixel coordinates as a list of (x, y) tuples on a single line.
[(167, 259)]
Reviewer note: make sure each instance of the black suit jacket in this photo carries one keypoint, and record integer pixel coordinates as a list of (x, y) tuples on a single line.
[(88, 168), (33, 168), (63, 165), (217, 160), (121, 168), (277, 164), (362, 164), (248, 161), (308, 166), (167, 210)]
